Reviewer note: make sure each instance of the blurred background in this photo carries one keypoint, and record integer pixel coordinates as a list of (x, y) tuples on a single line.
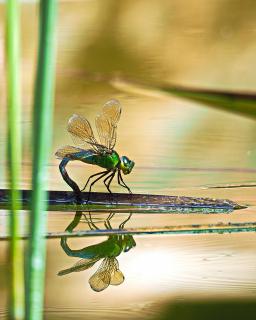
[(207, 45), (179, 147), (197, 44)]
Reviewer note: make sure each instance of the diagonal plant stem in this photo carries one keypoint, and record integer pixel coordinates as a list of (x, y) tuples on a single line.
[(16, 281), (42, 128), (240, 102)]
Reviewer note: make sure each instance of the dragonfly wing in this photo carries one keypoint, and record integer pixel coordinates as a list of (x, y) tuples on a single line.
[(112, 110), (65, 151), (117, 276), (104, 130), (81, 132), (85, 263), (81, 265), (100, 280), (106, 123)]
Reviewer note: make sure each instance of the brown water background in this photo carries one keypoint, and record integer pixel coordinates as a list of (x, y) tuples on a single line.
[(179, 147)]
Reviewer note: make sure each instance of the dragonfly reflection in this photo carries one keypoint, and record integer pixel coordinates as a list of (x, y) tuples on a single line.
[(108, 273)]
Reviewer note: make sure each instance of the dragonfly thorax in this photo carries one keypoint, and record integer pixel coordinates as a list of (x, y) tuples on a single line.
[(126, 165)]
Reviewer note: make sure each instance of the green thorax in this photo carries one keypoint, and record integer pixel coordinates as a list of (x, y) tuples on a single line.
[(107, 160)]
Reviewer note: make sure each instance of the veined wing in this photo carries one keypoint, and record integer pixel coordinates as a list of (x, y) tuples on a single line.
[(112, 110), (117, 276), (65, 151), (100, 280), (81, 265), (106, 123), (82, 133)]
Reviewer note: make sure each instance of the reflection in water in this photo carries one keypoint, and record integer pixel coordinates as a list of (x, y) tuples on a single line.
[(108, 273)]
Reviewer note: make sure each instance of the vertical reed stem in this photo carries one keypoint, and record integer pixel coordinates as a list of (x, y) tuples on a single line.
[(42, 128), (16, 281)]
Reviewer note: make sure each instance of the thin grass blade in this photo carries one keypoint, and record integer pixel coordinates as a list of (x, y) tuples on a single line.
[(236, 102), (42, 128), (240, 102), (16, 281)]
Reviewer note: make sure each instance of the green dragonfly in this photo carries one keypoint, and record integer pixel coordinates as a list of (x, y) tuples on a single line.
[(100, 153)]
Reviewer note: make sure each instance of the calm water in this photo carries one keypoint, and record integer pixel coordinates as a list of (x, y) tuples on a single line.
[(179, 148)]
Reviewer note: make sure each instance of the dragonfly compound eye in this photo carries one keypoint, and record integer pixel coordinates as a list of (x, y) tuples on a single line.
[(126, 165)]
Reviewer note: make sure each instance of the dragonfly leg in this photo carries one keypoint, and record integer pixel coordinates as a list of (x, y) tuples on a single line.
[(103, 174), (107, 225), (68, 180), (110, 216), (121, 182), (89, 221), (107, 221), (94, 175), (107, 184), (121, 226)]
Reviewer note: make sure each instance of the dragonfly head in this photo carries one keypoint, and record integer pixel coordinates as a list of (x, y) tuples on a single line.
[(126, 165)]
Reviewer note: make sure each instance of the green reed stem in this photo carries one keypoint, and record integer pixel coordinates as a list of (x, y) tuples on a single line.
[(42, 128), (14, 150)]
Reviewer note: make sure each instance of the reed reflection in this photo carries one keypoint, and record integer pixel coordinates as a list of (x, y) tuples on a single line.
[(108, 272)]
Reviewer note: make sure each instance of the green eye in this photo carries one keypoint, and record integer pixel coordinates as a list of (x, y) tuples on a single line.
[(125, 161), (126, 165)]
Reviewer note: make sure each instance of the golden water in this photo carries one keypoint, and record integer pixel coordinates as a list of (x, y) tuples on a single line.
[(179, 147)]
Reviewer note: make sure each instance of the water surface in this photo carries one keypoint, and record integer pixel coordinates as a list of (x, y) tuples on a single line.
[(179, 147)]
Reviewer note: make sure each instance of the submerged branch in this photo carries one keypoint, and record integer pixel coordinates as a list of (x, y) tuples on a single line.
[(180, 229), (122, 202)]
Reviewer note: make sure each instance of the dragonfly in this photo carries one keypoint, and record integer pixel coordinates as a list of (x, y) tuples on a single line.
[(96, 152), (108, 273)]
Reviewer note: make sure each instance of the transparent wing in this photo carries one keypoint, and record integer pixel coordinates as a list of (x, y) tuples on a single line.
[(104, 131), (100, 280), (82, 133), (112, 110), (106, 123), (117, 276), (81, 265), (65, 151)]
